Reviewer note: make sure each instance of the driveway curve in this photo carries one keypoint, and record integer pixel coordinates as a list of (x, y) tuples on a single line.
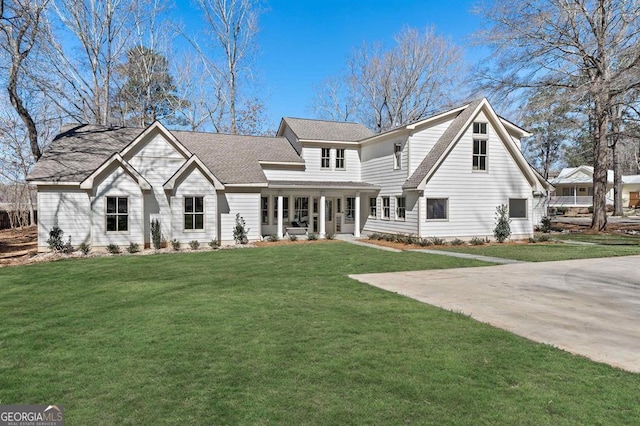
[(589, 307)]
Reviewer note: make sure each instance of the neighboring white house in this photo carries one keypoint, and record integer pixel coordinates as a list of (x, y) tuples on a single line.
[(443, 176), (574, 188)]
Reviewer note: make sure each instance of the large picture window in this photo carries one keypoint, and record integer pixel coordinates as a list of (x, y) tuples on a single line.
[(518, 208), (437, 208), (117, 214), (193, 213)]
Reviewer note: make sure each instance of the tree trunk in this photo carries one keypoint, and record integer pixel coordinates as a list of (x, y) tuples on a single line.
[(617, 181), (23, 113), (600, 163)]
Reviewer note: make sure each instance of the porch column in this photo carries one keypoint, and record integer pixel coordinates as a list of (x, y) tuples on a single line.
[(419, 202), (279, 231), (356, 231), (321, 215), (575, 195)]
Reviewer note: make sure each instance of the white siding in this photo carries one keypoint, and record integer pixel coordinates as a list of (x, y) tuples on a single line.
[(195, 184), (540, 205), (118, 183), (421, 143), (69, 208), (313, 171), (157, 161), (474, 196), (245, 203)]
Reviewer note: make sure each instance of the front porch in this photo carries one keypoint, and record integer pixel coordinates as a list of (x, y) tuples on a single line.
[(321, 208)]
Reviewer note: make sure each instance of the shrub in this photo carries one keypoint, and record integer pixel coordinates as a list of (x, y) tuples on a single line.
[(194, 244), (437, 241), (457, 242), (476, 241), (175, 244), (590, 209), (133, 248), (330, 236), (67, 248), (214, 244), (375, 236), (84, 248), (240, 230), (545, 224), (402, 239), (412, 239), (313, 236), (424, 242), (293, 237), (113, 248), (55, 239), (273, 238), (543, 238), (156, 234), (562, 210), (502, 231), (533, 240)]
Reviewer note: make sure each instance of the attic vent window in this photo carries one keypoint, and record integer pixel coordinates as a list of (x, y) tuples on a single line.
[(480, 128)]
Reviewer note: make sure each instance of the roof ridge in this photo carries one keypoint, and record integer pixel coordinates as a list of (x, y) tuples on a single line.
[(325, 120)]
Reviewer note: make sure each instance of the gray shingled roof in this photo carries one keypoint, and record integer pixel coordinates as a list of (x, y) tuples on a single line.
[(327, 130), (78, 151), (323, 184), (447, 138), (235, 159)]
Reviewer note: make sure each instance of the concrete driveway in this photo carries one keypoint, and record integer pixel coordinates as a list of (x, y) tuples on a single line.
[(589, 307)]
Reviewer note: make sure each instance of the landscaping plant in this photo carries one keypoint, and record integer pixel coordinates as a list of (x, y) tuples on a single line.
[(502, 231)]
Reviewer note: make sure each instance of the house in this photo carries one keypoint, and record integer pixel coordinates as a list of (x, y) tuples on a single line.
[(443, 176), (574, 188)]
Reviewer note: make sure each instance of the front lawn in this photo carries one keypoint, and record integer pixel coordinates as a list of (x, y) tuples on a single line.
[(278, 335), (606, 239)]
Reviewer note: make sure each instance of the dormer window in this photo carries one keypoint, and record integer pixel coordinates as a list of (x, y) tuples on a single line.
[(479, 128)]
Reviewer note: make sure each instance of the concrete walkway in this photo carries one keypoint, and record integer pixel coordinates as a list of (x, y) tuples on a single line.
[(589, 307), (491, 259)]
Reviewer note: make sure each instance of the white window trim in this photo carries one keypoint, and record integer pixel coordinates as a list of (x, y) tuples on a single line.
[(128, 231), (268, 210), (397, 162), (526, 208), (376, 206), (382, 215), (426, 202), (346, 210), (486, 133), (397, 207), (322, 157), (344, 159), (204, 211), (486, 156)]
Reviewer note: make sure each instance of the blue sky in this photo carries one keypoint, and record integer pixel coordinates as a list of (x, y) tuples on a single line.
[(306, 41)]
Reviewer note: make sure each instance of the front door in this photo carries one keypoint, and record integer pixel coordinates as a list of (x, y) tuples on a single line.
[(329, 215)]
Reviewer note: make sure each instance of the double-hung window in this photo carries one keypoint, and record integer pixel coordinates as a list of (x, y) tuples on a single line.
[(373, 207), (264, 210), (386, 207), (325, 161), (340, 158), (301, 213), (350, 210), (117, 214), (285, 209), (193, 213), (401, 209), (479, 154)]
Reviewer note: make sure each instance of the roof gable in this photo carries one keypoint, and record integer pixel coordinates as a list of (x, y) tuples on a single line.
[(115, 160), (156, 128), (190, 165), (452, 135)]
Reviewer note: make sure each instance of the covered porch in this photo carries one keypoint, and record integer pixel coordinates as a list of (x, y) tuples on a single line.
[(575, 195), (322, 208)]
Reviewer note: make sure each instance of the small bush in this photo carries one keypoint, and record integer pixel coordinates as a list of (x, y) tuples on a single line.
[(476, 241), (113, 248), (133, 248), (214, 244), (543, 238), (590, 209), (437, 241), (502, 231), (84, 248), (375, 236), (533, 240), (156, 234), (545, 225), (402, 239), (273, 238), (313, 236), (424, 242), (562, 210), (330, 236), (240, 231), (67, 248), (55, 239), (194, 244), (175, 244), (457, 242), (293, 237)]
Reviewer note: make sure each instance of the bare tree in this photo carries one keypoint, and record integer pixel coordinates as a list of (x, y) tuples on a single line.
[(588, 47), (232, 26), (21, 30), (384, 88)]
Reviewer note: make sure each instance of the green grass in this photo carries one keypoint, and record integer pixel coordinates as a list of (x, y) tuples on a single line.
[(278, 335), (605, 239), (548, 252)]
